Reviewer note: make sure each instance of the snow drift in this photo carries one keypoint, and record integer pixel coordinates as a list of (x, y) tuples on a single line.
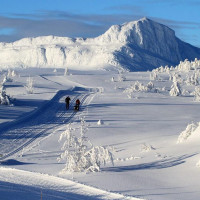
[(190, 133), (137, 45)]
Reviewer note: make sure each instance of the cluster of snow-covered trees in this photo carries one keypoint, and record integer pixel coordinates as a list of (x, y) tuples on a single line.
[(120, 78), (184, 66), (181, 80), (8, 76), (139, 87), (184, 78), (79, 153)]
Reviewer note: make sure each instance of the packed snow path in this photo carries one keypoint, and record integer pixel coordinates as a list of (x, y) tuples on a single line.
[(19, 134)]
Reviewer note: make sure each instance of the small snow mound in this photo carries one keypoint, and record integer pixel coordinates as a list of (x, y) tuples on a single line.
[(100, 122), (146, 148), (198, 164), (190, 131)]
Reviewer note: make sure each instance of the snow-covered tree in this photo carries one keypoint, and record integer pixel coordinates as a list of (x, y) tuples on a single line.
[(192, 79), (153, 75), (187, 132), (80, 155), (170, 76), (176, 77), (29, 85), (197, 94), (150, 86), (161, 69), (130, 94), (175, 89), (188, 80), (13, 73), (6, 79), (167, 69), (171, 68), (9, 72), (66, 71), (121, 77), (137, 86), (4, 98), (113, 79)]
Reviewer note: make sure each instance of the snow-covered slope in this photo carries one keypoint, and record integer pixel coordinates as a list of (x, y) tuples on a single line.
[(36, 185), (139, 119), (137, 45)]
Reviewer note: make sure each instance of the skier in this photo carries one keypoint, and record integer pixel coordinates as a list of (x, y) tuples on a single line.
[(76, 107), (67, 100)]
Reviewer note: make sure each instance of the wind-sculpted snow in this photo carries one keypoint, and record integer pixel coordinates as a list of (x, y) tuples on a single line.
[(137, 45), (36, 185)]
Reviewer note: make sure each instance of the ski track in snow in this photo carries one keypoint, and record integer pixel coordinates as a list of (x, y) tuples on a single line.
[(38, 125)]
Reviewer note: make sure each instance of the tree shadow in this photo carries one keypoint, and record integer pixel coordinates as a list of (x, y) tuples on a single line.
[(160, 164), (10, 162)]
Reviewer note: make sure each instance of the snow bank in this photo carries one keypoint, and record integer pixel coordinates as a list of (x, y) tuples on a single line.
[(71, 189), (146, 148)]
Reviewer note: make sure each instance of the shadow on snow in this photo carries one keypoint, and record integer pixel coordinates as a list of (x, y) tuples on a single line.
[(160, 164)]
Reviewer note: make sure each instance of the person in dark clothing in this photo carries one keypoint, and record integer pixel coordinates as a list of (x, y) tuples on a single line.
[(77, 106), (67, 100)]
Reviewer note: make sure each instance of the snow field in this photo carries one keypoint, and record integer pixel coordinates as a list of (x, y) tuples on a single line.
[(143, 130)]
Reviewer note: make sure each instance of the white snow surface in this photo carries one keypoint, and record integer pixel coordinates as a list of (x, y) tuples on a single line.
[(142, 127), (137, 45), (32, 185)]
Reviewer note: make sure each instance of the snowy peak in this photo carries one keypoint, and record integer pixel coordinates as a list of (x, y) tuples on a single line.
[(147, 35), (137, 32), (146, 44), (137, 45)]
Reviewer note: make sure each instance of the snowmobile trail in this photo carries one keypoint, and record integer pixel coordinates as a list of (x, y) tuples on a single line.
[(19, 134)]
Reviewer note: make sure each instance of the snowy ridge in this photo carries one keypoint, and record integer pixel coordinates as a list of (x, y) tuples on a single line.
[(137, 45), (71, 189)]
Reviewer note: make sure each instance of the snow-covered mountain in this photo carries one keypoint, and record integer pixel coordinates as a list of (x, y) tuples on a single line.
[(137, 45)]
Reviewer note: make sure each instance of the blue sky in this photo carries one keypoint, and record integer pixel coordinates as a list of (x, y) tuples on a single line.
[(90, 18)]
